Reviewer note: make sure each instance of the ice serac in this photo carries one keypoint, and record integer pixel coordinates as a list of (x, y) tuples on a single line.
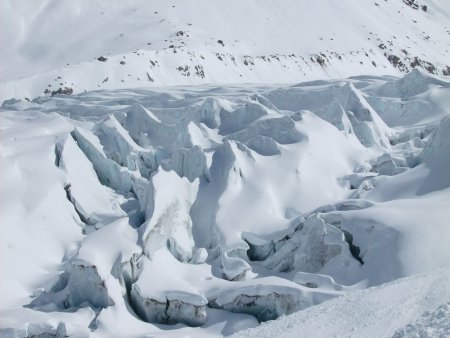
[(336, 115), (120, 147), (79, 286), (189, 162), (170, 224), (111, 174), (146, 129), (413, 83), (89, 272), (241, 117), (234, 268), (259, 248), (163, 292), (177, 308), (37, 330), (108, 171), (279, 128), (265, 102), (436, 157), (85, 285), (95, 206), (308, 247), (386, 165), (264, 145), (340, 104), (369, 128), (265, 302), (206, 205), (210, 113)]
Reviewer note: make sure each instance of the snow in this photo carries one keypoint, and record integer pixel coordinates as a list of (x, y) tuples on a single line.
[(161, 44), (416, 305), (170, 173), (222, 206)]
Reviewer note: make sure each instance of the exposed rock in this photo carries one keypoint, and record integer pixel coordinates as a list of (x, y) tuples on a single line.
[(62, 91), (412, 3)]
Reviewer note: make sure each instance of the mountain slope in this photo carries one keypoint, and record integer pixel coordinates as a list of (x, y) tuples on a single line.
[(86, 45)]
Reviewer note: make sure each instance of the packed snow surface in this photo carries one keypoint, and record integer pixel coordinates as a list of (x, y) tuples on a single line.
[(416, 306), (202, 211)]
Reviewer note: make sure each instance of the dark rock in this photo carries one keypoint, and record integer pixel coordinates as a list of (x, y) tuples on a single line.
[(412, 3), (62, 91), (446, 71)]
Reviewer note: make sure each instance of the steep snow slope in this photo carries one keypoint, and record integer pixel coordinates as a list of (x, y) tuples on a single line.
[(201, 211), (51, 45)]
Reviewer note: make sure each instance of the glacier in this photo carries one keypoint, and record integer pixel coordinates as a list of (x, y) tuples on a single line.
[(182, 211)]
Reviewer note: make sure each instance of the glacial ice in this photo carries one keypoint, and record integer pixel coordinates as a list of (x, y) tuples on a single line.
[(252, 204), (413, 83), (264, 305), (175, 309)]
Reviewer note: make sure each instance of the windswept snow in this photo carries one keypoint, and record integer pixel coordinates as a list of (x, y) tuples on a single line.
[(201, 211)]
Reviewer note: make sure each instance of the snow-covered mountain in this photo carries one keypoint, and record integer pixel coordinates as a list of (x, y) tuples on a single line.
[(48, 45), (195, 168)]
